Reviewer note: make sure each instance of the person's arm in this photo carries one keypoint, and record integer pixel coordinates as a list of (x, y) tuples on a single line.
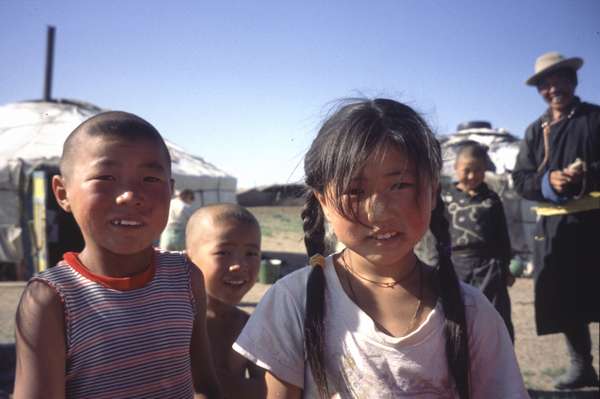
[(40, 344), (279, 389), (257, 376), (527, 180), (205, 379)]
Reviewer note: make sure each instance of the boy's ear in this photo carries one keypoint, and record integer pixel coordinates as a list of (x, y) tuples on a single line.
[(60, 192), (172, 186)]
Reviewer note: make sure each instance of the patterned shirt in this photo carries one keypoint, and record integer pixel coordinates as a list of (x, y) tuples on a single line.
[(127, 337), (477, 223)]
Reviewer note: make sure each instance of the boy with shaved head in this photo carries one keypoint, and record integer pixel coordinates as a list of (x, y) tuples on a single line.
[(120, 319), (224, 241)]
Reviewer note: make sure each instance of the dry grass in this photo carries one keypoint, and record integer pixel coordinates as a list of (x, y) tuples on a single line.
[(281, 228)]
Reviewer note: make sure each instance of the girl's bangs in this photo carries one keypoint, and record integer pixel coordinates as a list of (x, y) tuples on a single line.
[(342, 178)]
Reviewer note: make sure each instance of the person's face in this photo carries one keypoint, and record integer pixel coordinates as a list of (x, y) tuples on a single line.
[(228, 253), (188, 198), (557, 89), (393, 209), (470, 172), (119, 193)]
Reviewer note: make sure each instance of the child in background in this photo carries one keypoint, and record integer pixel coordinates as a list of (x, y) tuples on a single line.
[(224, 241), (173, 237), (120, 319), (481, 248), (372, 320)]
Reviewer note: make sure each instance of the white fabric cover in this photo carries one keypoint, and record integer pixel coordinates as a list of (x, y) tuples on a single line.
[(36, 131), (503, 148)]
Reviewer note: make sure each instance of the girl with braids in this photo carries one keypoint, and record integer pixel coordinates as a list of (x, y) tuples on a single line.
[(372, 321)]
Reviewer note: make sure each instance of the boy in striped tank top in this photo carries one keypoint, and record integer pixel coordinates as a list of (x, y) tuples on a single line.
[(121, 319), (224, 241)]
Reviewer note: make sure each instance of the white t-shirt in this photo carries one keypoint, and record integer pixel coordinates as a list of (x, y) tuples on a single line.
[(364, 362)]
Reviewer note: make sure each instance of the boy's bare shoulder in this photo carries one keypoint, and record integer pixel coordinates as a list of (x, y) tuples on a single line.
[(39, 295), (40, 309)]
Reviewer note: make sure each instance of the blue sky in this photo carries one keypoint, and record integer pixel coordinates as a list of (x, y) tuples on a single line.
[(245, 84)]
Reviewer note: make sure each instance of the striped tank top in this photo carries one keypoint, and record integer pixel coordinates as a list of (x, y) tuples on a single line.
[(132, 341)]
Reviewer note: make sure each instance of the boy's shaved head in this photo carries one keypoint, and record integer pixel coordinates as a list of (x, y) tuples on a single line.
[(219, 213), (116, 125), (472, 149), (223, 240)]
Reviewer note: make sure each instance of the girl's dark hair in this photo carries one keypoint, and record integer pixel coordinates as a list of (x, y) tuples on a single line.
[(448, 287), (348, 137)]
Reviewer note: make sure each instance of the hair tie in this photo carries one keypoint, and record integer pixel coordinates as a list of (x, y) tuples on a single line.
[(317, 260)]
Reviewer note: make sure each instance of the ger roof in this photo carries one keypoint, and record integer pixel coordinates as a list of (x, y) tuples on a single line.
[(35, 131)]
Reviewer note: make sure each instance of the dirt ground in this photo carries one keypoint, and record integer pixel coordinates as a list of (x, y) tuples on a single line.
[(541, 358)]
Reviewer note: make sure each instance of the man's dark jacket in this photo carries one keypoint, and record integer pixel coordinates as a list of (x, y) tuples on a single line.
[(566, 247)]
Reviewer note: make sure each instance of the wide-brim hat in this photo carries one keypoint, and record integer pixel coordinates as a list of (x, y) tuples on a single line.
[(552, 61)]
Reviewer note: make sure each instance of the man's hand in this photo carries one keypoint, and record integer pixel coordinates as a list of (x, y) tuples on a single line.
[(574, 175), (560, 180)]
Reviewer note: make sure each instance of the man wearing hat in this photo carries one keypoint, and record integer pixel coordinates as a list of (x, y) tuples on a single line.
[(559, 166)]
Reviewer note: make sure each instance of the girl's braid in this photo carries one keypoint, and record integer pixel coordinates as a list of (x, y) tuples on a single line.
[(314, 331), (457, 344)]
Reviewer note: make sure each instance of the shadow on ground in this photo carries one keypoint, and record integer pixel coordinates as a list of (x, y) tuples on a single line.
[(585, 394), (7, 368)]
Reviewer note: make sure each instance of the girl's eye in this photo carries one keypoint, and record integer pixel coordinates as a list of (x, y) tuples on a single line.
[(220, 253), (252, 253), (152, 179)]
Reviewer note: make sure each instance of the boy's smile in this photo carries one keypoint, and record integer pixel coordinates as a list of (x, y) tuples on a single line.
[(119, 193), (470, 173)]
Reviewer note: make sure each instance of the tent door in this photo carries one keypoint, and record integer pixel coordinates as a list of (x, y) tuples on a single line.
[(39, 244), (55, 231)]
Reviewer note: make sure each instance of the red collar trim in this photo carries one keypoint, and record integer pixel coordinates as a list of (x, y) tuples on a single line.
[(118, 283)]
